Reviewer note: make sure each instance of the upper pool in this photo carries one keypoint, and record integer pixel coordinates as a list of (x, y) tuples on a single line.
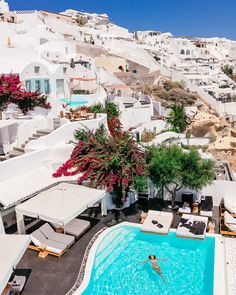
[(76, 101), (189, 269)]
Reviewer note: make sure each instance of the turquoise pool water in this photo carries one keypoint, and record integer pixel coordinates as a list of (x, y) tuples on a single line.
[(75, 103), (189, 269)]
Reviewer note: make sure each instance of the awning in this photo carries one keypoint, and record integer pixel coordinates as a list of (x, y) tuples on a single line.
[(27, 184), (12, 248), (83, 79), (59, 204)]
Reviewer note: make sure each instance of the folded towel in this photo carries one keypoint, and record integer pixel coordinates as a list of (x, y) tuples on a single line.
[(190, 220)]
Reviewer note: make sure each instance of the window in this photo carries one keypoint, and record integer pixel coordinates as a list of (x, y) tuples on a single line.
[(28, 85), (36, 70), (37, 85), (46, 86), (64, 70), (60, 88)]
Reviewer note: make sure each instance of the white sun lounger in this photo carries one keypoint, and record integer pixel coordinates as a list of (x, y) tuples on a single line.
[(182, 231), (230, 221), (76, 227), (50, 234), (154, 218), (230, 203), (51, 247)]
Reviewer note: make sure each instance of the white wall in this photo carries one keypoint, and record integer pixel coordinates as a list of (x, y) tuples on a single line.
[(30, 127), (219, 189), (230, 108), (132, 117), (65, 133), (157, 125)]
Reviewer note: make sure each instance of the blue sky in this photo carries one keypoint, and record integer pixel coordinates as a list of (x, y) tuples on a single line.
[(203, 18)]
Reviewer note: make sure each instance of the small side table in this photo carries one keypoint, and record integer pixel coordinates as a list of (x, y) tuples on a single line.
[(195, 208), (211, 227), (42, 251)]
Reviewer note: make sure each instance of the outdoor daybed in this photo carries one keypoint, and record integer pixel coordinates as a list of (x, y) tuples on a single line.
[(76, 227), (228, 225), (158, 222), (47, 241), (192, 226)]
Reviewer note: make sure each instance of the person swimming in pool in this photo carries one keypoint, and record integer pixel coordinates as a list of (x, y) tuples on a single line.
[(154, 261)]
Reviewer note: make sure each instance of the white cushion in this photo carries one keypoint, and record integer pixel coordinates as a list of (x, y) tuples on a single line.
[(55, 247), (230, 204), (184, 210), (230, 222), (206, 213), (50, 234), (166, 221), (47, 230), (38, 238), (75, 227), (185, 232)]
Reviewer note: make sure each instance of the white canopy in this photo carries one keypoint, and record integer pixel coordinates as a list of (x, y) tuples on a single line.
[(12, 248), (59, 204)]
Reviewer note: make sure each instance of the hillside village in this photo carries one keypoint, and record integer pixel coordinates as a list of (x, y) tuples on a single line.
[(115, 63), (92, 116)]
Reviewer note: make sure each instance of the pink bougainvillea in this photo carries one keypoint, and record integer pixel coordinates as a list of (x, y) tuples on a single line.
[(11, 91), (111, 161)]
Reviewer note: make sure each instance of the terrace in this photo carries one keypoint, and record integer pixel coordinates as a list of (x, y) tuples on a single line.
[(48, 272)]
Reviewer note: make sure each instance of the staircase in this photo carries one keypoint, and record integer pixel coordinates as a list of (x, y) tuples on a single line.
[(18, 151)]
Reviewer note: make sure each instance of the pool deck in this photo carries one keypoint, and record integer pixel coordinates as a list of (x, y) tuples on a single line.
[(57, 276)]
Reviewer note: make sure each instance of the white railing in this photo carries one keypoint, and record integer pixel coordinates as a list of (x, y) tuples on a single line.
[(26, 11)]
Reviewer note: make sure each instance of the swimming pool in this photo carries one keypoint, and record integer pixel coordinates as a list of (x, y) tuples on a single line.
[(189, 269), (75, 101)]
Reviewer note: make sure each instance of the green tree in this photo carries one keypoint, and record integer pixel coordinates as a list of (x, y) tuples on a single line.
[(228, 70), (172, 168), (178, 119)]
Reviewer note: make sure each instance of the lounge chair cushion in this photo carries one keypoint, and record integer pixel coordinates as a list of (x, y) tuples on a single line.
[(38, 238), (230, 204), (157, 222), (230, 221), (50, 234), (55, 247), (207, 207), (76, 227), (192, 226)]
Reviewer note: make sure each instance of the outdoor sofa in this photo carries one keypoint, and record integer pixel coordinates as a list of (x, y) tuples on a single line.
[(158, 222), (76, 227), (192, 226)]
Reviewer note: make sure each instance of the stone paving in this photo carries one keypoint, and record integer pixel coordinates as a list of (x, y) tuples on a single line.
[(230, 253)]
